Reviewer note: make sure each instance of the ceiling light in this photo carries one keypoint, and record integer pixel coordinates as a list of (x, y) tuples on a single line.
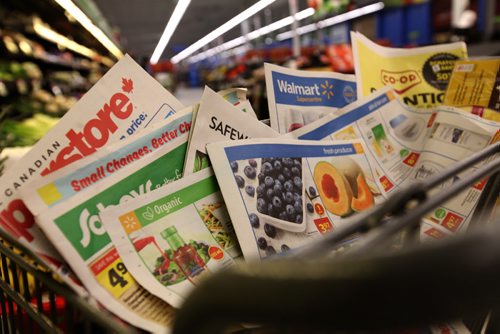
[(44, 31), (333, 20), (179, 10), (252, 35), (250, 11), (83, 19)]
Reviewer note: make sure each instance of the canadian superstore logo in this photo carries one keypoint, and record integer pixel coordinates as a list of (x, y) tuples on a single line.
[(95, 133), (400, 81), (327, 89)]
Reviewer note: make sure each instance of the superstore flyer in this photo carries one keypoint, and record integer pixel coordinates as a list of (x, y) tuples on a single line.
[(61, 185), (405, 145), (297, 98), (125, 100), (76, 231), (218, 120), (283, 194), (420, 75), (173, 237)]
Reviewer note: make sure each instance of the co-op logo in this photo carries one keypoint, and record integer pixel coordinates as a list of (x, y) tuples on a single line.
[(400, 81)]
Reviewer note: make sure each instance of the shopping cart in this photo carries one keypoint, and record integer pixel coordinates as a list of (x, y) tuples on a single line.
[(369, 286), (363, 288), (33, 300)]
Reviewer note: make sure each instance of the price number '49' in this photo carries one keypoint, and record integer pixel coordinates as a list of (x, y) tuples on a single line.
[(117, 276)]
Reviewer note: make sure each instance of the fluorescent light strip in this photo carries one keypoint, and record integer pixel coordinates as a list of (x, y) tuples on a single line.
[(252, 35), (333, 20), (83, 19), (250, 11), (49, 34), (177, 14)]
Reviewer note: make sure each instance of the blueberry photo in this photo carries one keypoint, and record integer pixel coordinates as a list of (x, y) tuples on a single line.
[(270, 230), (239, 181), (254, 220), (250, 190), (234, 166), (312, 192), (280, 185), (262, 243), (250, 172)]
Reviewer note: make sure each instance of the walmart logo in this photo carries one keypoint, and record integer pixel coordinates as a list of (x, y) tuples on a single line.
[(293, 88), (327, 89)]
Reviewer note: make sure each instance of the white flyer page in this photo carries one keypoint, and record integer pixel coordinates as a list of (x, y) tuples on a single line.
[(238, 98), (297, 98), (58, 187), (173, 237), (282, 194), (218, 120), (124, 100), (76, 231), (407, 145)]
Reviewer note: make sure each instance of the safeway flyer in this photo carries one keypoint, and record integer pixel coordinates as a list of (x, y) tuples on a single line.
[(297, 98), (218, 120), (125, 100)]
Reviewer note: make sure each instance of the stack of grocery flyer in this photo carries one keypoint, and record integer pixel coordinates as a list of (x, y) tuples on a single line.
[(134, 199)]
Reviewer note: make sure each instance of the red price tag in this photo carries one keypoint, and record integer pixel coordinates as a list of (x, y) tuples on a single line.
[(431, 120), (323, 225), (386, 183), (319, 209), (435, 233), (480, 185), (215, 253), (411, 159), (452, 221)]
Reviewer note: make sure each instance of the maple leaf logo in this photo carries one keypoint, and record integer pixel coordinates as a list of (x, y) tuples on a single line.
[(128, 85)]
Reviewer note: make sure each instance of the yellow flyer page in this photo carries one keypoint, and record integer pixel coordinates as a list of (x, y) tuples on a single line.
[(475, 86), (419, 75)]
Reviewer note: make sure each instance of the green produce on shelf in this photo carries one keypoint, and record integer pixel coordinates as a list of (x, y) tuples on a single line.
[(26, 132)]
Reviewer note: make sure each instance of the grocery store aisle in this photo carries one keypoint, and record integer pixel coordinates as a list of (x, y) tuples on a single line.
[(188, 95)]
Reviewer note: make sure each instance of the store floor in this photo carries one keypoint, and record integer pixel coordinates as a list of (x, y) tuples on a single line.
[(188, 95)]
